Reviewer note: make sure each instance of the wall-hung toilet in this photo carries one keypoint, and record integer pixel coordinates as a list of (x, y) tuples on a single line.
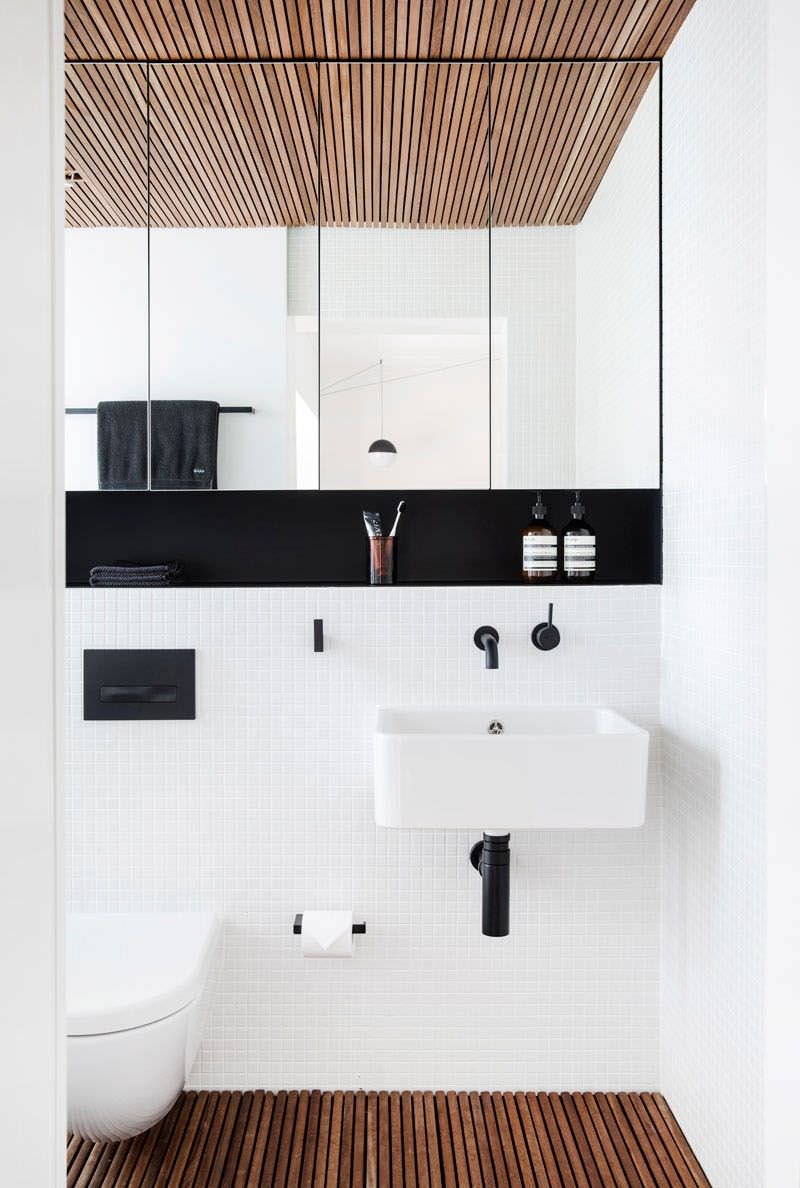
[(135, 1009)]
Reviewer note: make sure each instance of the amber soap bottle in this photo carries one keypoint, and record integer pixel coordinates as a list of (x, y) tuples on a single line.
[(578, 545), (539, 546)]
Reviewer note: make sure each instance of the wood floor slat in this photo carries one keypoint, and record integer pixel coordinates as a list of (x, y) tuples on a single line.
[(500, 1156), (668, 1127), (611, 1109), (518, 1144), (545, 1146), (342, 1139)]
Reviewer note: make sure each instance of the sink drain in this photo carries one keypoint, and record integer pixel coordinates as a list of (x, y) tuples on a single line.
[(495, 727)]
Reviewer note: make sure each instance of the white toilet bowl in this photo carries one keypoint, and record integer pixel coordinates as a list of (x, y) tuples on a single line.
[(134, 1017)]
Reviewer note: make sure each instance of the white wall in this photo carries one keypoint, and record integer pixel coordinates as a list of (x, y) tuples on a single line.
[(263, 807), (105, 335), (782, 973), (714, 597), (617, 315), (219, 332), (31, 1094), (533, 290)]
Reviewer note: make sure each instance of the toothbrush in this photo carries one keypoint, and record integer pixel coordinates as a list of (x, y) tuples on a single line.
[(401, 507)]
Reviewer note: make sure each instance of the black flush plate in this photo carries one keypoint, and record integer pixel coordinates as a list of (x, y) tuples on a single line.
[(138, 684)]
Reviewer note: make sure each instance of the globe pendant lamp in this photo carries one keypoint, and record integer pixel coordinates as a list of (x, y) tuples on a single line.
[(382, 452)]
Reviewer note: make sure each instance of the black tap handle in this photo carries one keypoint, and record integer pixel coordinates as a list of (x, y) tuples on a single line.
[(545, 636)]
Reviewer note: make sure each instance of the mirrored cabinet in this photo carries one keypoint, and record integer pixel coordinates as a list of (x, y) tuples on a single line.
[(362, 276)]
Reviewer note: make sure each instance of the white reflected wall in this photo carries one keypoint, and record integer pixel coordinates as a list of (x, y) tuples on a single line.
[(418, 300), (105, 335)]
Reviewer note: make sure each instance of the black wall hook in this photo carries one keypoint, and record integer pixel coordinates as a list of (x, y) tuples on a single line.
[(319, 639)]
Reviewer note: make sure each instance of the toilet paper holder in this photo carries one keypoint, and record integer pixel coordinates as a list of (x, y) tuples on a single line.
[(359, 926)]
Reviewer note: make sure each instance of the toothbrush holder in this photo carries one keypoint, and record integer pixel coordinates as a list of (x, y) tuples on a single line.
[(382, 560)]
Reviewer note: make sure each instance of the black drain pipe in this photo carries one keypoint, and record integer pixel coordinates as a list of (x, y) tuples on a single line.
[(491, 858)]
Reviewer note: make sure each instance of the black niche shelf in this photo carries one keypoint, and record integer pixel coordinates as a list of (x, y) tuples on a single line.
[(317, 538)]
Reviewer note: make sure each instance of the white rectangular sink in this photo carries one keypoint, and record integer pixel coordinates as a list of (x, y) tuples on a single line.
[(507, 768)]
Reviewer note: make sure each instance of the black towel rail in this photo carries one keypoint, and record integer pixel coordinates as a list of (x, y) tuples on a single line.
[(223, 408)]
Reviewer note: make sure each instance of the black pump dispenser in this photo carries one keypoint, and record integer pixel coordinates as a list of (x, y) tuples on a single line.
[(539, 546), (578, 545), (577, 509)]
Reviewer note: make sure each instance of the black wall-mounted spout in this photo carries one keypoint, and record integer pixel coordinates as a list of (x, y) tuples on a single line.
[(487, 639), (492, 858)]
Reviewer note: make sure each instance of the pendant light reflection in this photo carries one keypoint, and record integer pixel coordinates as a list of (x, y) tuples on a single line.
[(382, 452)]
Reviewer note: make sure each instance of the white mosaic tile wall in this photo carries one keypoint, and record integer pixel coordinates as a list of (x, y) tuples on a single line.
[(263, 807), (617, 315), (713, 699)]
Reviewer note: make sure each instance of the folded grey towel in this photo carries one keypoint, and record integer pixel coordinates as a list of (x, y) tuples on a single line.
[(135, 575), (184, 435)]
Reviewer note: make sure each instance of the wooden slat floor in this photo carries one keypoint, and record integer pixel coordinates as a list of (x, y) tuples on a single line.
[(398, 1140)]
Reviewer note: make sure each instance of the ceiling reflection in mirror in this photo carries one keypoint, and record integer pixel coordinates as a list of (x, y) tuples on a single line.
[(344, 276)]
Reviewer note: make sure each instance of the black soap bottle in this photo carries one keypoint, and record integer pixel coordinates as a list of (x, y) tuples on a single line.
[(539, 546), (578, 545)]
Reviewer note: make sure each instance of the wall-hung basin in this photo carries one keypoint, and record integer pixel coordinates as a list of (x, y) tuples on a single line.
[(505, 768)]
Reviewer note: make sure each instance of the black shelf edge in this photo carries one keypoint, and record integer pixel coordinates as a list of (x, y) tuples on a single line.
[(317, 538)]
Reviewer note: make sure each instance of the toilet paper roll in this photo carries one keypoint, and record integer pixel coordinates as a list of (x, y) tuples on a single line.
[(327, 934)]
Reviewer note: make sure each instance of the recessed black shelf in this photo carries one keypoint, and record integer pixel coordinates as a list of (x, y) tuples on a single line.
[(317, 538)]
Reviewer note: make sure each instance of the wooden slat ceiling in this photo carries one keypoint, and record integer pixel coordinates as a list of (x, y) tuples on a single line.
[(400, 145), (187, 30)]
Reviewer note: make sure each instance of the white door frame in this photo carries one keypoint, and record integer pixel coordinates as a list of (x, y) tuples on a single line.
[(32, 1116)]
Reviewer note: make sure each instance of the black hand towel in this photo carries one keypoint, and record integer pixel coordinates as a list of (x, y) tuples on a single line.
[(131, 573), (122, 445), (184, 444)]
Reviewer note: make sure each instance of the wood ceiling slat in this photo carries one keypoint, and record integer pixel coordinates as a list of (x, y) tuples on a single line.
[(276, 95), (331, 209), (573, 97), (659, 38), (529, 37), (227, 29), (565, 18), (262, 149), (174, 166), (584, 37), (356, 136), (570, 144), (535, 149), (415, 95), (402, 145), (239, 11), (466, 196), (105, 138), (622, 96), (637, 20), (399, 149), (195, 19), (614, 133), (104, 29), (185, 30), (611, 28), (175, 93), (606, 93), (510, 101), (609, 103), (519, 125)]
